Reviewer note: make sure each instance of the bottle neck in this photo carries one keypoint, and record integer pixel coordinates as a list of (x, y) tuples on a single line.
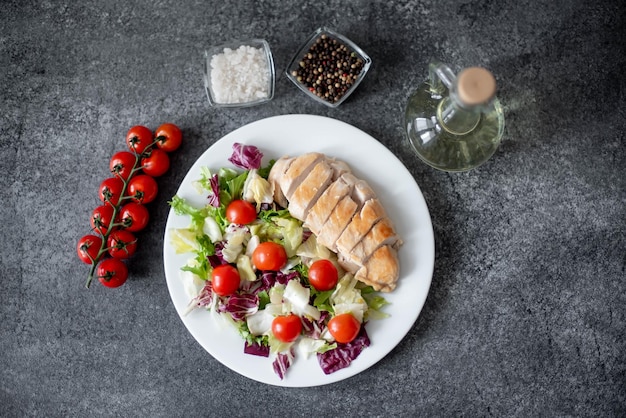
[(457, 119)]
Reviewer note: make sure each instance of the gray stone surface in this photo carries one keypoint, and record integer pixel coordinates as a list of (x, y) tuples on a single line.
[(527, 309)]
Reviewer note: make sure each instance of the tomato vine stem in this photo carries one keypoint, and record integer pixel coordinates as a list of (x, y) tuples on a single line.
[(116, 207)]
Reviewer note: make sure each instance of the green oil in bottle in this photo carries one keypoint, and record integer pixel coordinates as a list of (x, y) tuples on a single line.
[(455, 124)]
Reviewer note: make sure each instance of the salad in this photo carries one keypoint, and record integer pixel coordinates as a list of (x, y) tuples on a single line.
[(259, 269)]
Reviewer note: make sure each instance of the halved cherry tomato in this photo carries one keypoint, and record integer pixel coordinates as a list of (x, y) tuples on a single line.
[(225, 280), (122, 164), (323, 275), (122, 244), (240, 212), (269, 256), (110, 190), (101, 218), (155, 163), (139, 138), (112, 272), (88, 248), (287, 328), (169, 137), (134, 216), (143, 188), (344, 327)]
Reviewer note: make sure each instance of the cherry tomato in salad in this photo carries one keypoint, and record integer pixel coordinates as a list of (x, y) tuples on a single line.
[(139, 138), (323, 275), (156, 163), (287, 328), (240, 212), (269, 256), (88, 248), (225, 280), (143, 188), (122, 244), (110, 190), (169, 137), (101, 218), (122, 164), (344, 327), (112, 272), (134, 216)]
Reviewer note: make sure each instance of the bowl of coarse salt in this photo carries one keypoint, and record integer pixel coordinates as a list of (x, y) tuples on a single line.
[(239, 73)]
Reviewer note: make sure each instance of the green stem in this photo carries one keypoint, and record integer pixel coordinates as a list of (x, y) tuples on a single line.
[(112, 224)]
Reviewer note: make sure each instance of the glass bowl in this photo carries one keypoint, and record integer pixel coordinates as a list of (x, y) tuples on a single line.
[(337, 75), (232, 78)]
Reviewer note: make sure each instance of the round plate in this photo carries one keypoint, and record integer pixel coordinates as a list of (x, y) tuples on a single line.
[(370, 160)]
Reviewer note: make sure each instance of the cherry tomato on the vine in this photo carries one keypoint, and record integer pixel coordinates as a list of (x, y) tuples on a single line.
[(240, 212), (88, 248), (110, 190), (112, 272), (143, 188), (269, 256), (169, 137), (122, 164), (101, 218), (134, 216), (344, 327), (155, 163), (287, 328), (122, 244), (225, 280), (323, 275), (139, 138)]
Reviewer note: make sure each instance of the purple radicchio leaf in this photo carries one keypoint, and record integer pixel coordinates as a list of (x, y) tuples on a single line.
[(341, 357), (241, 305), (313, 328), (214, 197), (247, 157), (270, 278), (217, 259), (205, 297), (256, 349), (282, 363)]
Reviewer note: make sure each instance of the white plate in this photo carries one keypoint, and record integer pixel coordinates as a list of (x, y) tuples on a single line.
[(399, 193)]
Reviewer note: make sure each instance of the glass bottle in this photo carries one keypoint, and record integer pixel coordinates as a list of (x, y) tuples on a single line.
[(455, 123)]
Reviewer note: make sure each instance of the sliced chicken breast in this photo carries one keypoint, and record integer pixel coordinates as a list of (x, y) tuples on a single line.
[(344, 214), (308, 192), (337, 221), (381, 270), (371, 212), (382, 233), (276, 173), (321, 210), (297, 172)]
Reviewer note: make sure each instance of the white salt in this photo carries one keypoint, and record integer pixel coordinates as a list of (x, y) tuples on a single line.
[(240, 76)]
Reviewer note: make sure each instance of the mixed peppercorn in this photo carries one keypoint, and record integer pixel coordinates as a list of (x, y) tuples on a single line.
[(329, 68)]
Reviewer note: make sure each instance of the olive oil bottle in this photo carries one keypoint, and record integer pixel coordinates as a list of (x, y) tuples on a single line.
[(455, 123)]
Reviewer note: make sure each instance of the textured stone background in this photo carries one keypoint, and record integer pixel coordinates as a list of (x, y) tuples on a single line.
[(527, 309)]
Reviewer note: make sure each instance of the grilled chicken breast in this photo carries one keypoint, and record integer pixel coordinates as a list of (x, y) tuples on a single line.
[(344, 214)]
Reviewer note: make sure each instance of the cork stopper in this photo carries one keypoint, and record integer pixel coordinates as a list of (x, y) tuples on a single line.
[(475, 86)]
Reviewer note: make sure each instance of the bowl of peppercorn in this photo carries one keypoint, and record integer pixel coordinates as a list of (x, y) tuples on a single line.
[(328, 67)]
